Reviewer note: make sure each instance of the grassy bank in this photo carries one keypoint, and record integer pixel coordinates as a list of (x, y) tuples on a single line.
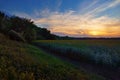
[(20, 61)]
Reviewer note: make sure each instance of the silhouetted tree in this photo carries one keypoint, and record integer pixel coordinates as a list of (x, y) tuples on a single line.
[(4, 23), (23, 28)]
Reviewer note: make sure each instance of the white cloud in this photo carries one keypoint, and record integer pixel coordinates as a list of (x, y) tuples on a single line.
[(90, 4), (59, 2), (74, 24), (104, 7)]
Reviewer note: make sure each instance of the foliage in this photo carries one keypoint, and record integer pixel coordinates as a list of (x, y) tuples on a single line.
[(44, 34), (24, 27), (16, 36), (4, 23), (20, 61)]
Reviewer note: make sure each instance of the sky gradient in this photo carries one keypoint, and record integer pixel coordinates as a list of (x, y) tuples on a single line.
[(78, 18)]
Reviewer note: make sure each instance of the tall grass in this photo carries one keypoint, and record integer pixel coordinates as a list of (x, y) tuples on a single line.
[(20, 61), (98, 52)]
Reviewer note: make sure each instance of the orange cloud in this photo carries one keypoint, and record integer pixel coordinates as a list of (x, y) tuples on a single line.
[(75, 24)]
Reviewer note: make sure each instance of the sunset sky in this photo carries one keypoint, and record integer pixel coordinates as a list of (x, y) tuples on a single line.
[(78, 18)]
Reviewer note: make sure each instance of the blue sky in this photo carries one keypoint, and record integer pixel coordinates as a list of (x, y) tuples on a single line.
[(91, 18), (29, 6)]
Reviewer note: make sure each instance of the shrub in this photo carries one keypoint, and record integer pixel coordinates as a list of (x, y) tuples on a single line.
[(15, 36)]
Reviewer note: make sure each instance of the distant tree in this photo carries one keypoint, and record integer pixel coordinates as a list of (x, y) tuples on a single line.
[(18, 24), (2, 15), (43, 33), (25, 27), (30, 34), (5, 23)]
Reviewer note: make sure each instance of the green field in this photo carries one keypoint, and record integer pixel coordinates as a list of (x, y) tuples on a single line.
[(82, 43), (22, 61), (104, 52)]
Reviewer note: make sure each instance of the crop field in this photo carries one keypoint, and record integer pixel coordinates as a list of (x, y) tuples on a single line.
[(103, 52), (22, 61)]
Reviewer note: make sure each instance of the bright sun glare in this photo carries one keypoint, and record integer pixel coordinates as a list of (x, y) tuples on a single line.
[(94, 33)]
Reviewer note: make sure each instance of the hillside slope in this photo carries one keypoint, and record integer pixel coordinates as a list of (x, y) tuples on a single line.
[(21, 61)]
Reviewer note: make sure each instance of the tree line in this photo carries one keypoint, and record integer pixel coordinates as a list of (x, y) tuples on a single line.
[(23, 29)]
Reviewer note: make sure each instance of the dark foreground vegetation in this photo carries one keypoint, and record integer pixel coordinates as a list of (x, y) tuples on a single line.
[(22, 61), (98, 56), (22, 29), (19, 61)]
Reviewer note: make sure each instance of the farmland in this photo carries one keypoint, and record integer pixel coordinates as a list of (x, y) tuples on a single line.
[(22, 61), (98, 56), (103, 52)]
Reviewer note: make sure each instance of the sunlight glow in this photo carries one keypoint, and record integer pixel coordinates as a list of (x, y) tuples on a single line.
[(89, 24), (94, 33)]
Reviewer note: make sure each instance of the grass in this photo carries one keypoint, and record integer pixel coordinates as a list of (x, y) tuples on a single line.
[(82, 43), (103, 52), (21, 61), (42, 56)]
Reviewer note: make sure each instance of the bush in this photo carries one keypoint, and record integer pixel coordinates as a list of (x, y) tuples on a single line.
[(30, 35), (15, 36)]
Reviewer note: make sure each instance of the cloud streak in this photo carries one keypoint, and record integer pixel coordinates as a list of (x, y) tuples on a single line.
[(77, 25), (72, 23), (103, 7)]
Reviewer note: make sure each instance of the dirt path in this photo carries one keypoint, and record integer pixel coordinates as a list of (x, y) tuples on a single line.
[(106, 72)]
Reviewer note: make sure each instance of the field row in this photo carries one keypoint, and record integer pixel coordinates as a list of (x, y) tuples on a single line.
[(103, 52), (21, 61)]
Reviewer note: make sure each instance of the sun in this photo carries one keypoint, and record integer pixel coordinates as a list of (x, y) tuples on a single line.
[(94, 33)]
